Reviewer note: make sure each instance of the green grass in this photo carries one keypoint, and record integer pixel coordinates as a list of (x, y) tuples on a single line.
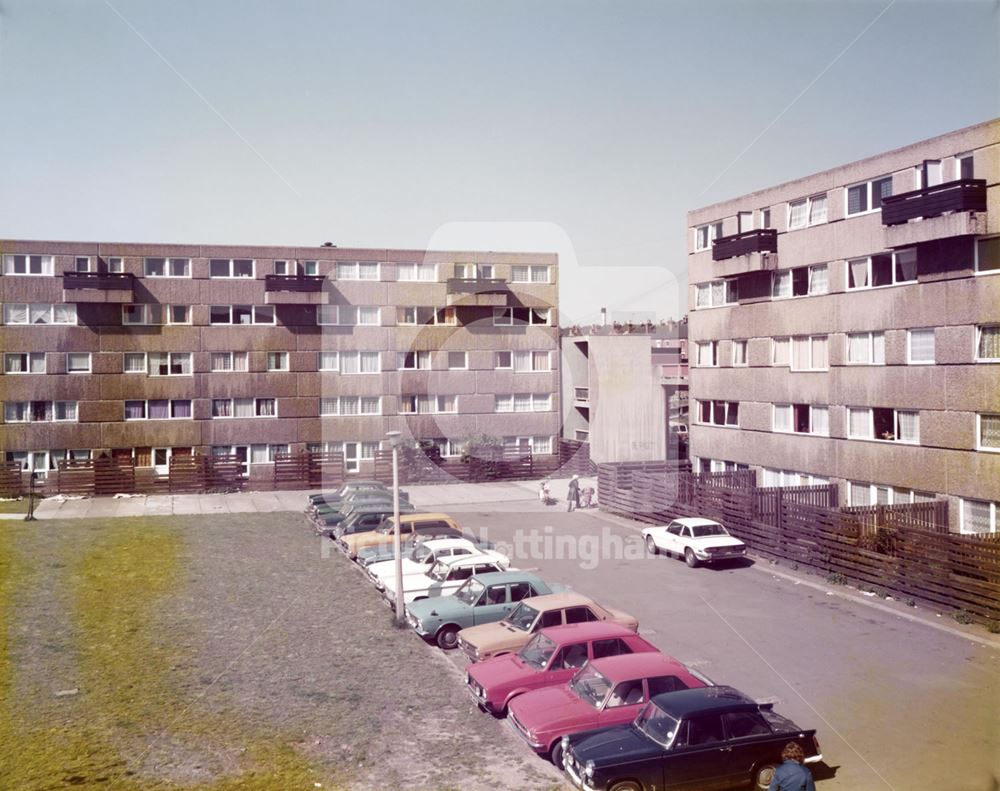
[(132, 694), (14, 506)]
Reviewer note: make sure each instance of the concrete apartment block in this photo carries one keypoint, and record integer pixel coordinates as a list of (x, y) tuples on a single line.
[(149, 350), (845, 327)]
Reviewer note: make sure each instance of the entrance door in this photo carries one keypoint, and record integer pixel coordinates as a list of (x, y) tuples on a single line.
[(242, 453), (161, 461), (351, 452)]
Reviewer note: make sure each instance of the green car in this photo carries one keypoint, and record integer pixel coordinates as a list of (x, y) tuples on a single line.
[(485, 598)]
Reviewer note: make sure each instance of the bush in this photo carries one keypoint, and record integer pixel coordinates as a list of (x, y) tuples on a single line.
[(993, 627), (836, 579), (961, 616)]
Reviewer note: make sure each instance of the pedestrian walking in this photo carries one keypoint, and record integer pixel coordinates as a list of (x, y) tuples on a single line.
[(573, 496), (792, 775)]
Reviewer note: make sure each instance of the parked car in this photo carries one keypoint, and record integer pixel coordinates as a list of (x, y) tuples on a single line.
[(330, 516), (444, 578), (439, 525), (712, 737), (363, 520), (370, 555), (550, 658), (344, 489), (696, 540), (355, 499), (530, 615), (424, 555), (604, 692), (483, 598)]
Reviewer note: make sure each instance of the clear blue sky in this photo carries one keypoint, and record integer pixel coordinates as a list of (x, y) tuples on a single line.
[(377, 123)]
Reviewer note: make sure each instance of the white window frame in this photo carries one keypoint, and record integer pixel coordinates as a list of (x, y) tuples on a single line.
[(870, 429), (729, 290), (232, 269), (254, 312), (333, 406), (979, 432), (406, 316), (86, 260), (869, 187), (232, 408), (711, 422), (170, 363), (775, 344), (283, 360), (168, 267), (807, 214), (993, 515), (351, 271), (869, 274), (712, 350), (869, 340), (421, 358), (530, 273), (47, 265), (979, 341), (233, 357), (66, 308), (810, 339), (959, 158), (146, 311), (975, 248), (350, 363), (909, 346), (335, 358), (705, 235), (740, 360), (116, 265), (29, 358), (500, 320), (416, 272)]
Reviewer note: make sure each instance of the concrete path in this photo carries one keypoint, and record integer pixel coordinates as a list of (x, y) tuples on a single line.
[(428, 497)]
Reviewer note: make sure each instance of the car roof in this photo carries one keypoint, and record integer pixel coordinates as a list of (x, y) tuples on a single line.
[(694, 521), (589, 630), (446, 543), (499, 577), (553, 600), (354, 484), (703, 699), (461, 560), (628, 666), (424, 515)]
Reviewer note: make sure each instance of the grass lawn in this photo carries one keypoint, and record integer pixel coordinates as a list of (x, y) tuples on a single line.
[(217, 653), (14, 506)]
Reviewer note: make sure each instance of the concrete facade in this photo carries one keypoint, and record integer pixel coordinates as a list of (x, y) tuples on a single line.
[(483, 307), (930, 431)]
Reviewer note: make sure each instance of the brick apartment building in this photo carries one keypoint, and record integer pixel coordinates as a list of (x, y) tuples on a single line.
[(845, 327), (150, 351)]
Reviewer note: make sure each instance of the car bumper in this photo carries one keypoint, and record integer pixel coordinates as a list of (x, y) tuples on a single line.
[(470, 651), (814, 759), (575, 778), (521, 731)]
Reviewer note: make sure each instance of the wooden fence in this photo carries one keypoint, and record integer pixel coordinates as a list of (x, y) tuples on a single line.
[(11, 483), (901, 550)]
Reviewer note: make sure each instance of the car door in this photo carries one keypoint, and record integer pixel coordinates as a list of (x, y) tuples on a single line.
[(751, 740), (564, 663), (493, 605), (671, 538), (547, 619), (699, 757), (622, 704), (580, 615)]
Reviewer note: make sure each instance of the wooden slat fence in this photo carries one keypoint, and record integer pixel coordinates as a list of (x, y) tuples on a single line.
[(11, 483)]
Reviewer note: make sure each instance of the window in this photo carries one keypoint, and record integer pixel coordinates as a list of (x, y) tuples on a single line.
[(988, 255), (920, 347), (277, 361), (350, 405), (450, 448), (21, 313), (241, 314), (719, 413), (142, 314), (780, 351), (809, 353), (406, 316), (244, 407), (614, 646), (178, 314), (169, 363), (528, 361), (739, 353), (883, 424), (25, 363), (359, 363), (229, 361), (507, 316), (27, 265), (801, 419), (928, 174), (348, 315), (529, 274), (413, 271), (964, 166), (716, 293), (504, 360), (978, 516), (283, 268), (231, 268), (427, 404), (446, 317), (806, 211), (781, 284), (538, 446), (116, 265), (884, 269), (866, 348), (785, 478), (708, 353), (81, 263), (817, 280), (158, 409), (168, 267), (744, 221), (868, 195), (474, 271), (134, 363), (988, 432), (357, 270), (704, 235), (414, 361), (765, 218), (458, 361), (328, 361)]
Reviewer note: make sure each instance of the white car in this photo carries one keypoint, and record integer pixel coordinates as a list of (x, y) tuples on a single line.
[(422, 557), (696, 540), (443, 579)]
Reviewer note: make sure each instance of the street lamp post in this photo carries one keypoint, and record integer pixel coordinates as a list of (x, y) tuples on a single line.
[(394, 439), (31, 496)]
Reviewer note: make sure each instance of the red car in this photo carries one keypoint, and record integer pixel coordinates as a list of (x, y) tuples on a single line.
[(552, 656), (605, 692)]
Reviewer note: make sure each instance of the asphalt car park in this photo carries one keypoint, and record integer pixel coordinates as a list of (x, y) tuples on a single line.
[(896, 703)]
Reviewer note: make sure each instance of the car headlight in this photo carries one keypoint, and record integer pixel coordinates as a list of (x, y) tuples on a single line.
[(588, 770), (564, 742)]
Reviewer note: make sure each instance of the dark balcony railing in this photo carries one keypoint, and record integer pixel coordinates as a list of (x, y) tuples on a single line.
[(309, 283), (761, 240), (961, 195), (103, 281), (481, 285)]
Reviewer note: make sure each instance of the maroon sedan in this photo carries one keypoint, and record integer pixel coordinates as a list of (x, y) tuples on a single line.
[(603, 693), (551, 657)]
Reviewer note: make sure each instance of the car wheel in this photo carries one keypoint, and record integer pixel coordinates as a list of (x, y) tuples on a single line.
[(556, 755), (447, 637), (762, 777), (626, 785), (651, 546), (689, 558)]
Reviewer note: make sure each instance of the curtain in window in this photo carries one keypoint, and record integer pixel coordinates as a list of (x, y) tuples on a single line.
[(40, 314), (328, 361), (541, 403), (368, 316), (368, 271), (702, 294), (781, 284), (221, 450), (135, 410), (922, 346), (817, 210), (818, 281), (797, 214), (266, 407), (907, 426), (522, 402), (540, 361), (718, 292), (989, 431), (347, 314), (859, 421), (369, 362), (14, 363), (181, 409), (14, 313), (522, 361), (504, 403), (858, 348), (859, 272), (369, 406), (159, 410), (906, 265), (860, 494), (537, 315), (820, 420), (241, 361), (878, 348), (258, 454), (783, 417), (539, 274), (989, 342), (66, 410), (328, 406), (975, 516), (857, 198), (222, 361), (349, 363), (819, 351), (780, 351), (349, 405), (243, 407), (882, 495), (800, 354)]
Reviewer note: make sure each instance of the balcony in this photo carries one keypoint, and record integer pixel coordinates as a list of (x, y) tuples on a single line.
[(294, 290), (957, 208), (97, 287), (484, 291), (674, 374), (750, 251), (581, 397)]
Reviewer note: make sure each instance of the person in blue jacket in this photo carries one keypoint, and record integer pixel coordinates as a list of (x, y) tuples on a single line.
[(792, 775)]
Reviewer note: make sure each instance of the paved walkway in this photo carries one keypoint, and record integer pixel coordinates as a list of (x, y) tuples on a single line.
[(427, 497)]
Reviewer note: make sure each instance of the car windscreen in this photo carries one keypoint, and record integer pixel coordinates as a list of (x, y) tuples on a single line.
[(420, 553), (703, 531), (538, 651), (655, 723), (439, 573), (470, 591), (590, 686), (522, 617)]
